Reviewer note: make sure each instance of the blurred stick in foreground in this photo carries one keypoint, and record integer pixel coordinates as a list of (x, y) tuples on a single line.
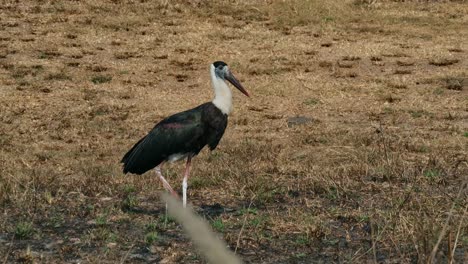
[(209, 245)]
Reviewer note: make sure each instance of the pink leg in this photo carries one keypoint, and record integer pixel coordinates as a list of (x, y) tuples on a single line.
[(184, 182), (164, 182)]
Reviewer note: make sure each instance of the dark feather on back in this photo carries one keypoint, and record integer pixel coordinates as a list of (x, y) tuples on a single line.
[(187, 132)]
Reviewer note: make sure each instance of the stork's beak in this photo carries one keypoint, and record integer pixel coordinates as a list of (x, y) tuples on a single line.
[(233, 80)]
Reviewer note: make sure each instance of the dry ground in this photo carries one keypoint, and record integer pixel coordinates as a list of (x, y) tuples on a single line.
[(353, 147)]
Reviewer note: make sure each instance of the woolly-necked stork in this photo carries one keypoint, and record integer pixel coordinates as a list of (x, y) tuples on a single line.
[(185, 134)]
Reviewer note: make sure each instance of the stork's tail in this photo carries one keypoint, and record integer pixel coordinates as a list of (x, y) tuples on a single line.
[(130, 159)]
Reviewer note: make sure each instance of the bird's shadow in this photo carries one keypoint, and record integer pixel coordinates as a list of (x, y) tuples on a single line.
[(213, 210), (146, 211), (204, 210)]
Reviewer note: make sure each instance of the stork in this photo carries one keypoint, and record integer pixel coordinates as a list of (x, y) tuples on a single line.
[(185, 134)]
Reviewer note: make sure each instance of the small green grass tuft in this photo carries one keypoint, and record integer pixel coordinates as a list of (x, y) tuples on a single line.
[(423, 149), (311, 101), (302, 240), (56, 220), (151, 237), (258, 221), (24, 230), (420, 113), (363, 218), (332, 193), (112, 237), (129, 188), (166, 220), (101, 220), (218, 225), (129, 201), (102, 234), (43, 55), (432, 173), (37, 67), (252, 210), (388, 110), (438, 91), (152, 226), (101, 79), (416, 114), (59, 76)]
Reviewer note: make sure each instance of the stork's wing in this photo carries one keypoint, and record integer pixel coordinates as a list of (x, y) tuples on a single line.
[(216, 122), (179, 134)]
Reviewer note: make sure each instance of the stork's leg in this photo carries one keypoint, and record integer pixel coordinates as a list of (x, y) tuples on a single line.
[(166, 185), (164, 182), (184, 182)]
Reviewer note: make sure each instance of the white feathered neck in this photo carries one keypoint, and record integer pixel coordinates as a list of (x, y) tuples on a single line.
[(223, 95)]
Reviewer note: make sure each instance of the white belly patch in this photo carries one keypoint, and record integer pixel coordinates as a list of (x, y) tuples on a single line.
[(177, 156)]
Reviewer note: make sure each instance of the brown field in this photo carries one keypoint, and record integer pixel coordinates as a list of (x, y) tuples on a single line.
[(352, 149)]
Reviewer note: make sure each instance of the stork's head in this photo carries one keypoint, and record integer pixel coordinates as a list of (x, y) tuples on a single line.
[(222, 72)]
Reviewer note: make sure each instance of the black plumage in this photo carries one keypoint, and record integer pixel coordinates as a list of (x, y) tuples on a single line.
[(185, 134)]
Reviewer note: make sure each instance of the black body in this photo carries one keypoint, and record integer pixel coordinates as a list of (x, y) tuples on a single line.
[(185, 133)]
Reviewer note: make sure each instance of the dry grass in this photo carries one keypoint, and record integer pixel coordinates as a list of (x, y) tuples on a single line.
[(353, 147)]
